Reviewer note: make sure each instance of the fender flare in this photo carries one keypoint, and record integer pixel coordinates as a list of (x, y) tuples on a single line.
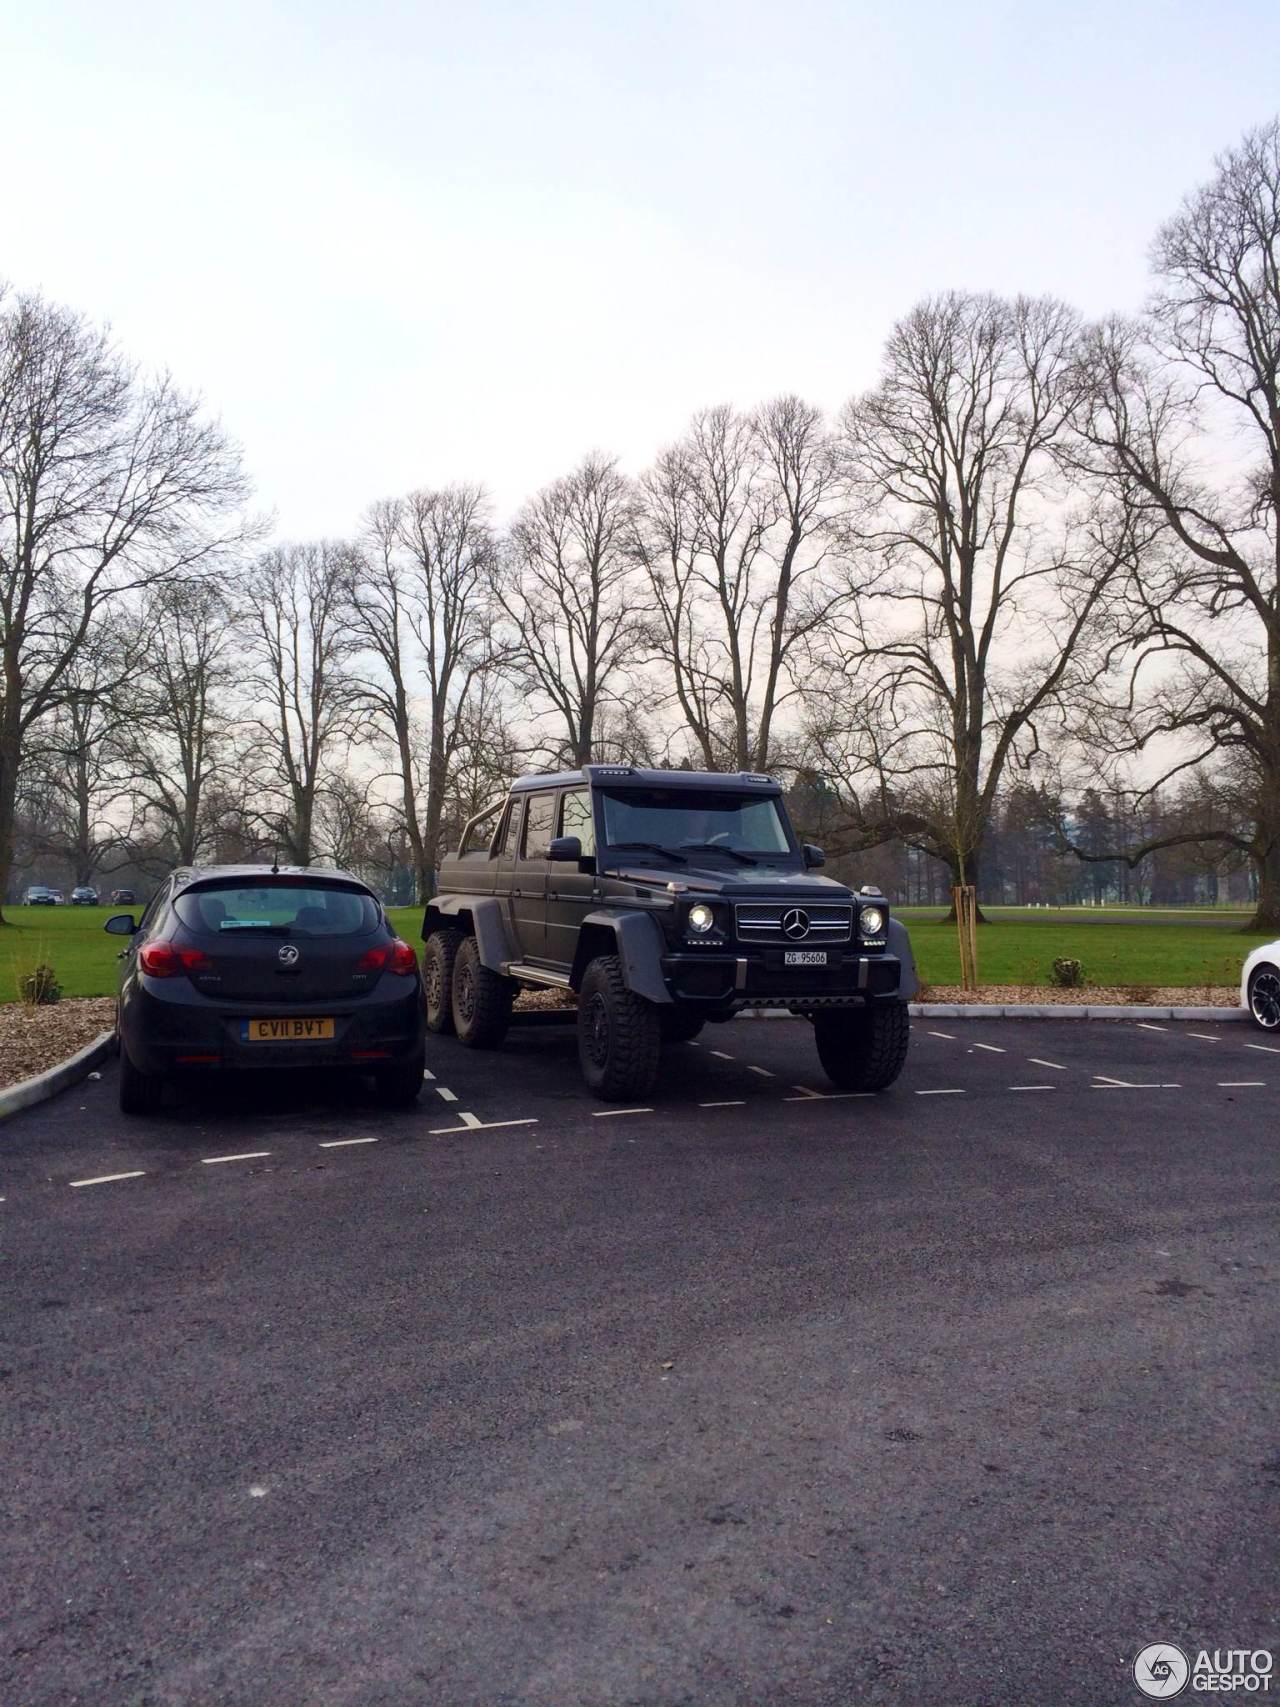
[(898, 942), (488, 925), (640, 946)]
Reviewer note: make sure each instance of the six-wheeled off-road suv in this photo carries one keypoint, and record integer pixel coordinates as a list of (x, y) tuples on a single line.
[(663, 899)]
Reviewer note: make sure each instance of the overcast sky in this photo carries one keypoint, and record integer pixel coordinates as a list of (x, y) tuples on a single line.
[(395, 244)]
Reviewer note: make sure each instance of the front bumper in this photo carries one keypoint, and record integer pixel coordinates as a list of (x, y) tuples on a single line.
[(762, 979), (169, 1027)]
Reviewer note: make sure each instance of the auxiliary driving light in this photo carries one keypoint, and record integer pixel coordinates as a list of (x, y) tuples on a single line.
[(871, 921), (701, 917)]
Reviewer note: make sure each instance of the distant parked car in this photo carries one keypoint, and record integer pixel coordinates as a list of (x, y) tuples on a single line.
[(84, 896), (123, 898), (40, 895), (1260, 986)]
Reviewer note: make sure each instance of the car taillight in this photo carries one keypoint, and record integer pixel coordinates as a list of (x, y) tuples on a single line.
[(167, 960), (393, 956)]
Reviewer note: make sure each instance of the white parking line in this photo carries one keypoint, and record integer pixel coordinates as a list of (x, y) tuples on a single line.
[(604, 1113), (474, 1125), (1144, 1025), (105, 1179), (1241, 1084), (1204, 1037), (428, 1074), (763, 1071), (446, 1093), (804, 1092), (1037, 1062), (738, 1104), (957, 1091), (341, 1143), (722, 1056), (1033, 1087), (244, 1156), (993, 1048), (1114, 1085), (1106, 1081), (1266, 1048), (829, 1096), (949, 1035)]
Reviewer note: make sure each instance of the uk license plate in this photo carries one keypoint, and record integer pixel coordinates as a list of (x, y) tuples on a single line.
[(285, 1030), (804, 957)]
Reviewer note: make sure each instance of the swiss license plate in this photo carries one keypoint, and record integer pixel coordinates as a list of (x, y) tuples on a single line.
[(804, 957), (285, 1030)]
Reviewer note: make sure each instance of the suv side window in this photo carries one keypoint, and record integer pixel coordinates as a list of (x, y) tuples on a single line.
[(511, 829), (539, 815), (480, 835), (576, 819)]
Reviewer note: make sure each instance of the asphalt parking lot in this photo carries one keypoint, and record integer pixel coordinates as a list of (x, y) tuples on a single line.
[(752, 1394)]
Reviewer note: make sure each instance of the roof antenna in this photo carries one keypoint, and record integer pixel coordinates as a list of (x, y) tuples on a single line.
[(275, 861)]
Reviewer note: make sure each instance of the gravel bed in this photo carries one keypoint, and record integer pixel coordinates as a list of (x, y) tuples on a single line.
[(33, 1039), (1093, 995)]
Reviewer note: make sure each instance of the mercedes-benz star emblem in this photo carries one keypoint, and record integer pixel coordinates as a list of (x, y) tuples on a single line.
[(795, 923), (287, 954)]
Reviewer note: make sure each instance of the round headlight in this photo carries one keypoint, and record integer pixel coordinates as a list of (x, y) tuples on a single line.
[(871, 921), (701, 918)]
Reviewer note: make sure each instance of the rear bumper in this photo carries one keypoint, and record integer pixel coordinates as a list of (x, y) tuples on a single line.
[(172, 1030), (763, 980)]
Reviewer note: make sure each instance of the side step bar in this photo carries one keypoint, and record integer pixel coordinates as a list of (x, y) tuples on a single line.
[(536, 975)]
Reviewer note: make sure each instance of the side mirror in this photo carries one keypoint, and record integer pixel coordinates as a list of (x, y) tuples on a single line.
[(566, 849), (813, 856), (120, 924)]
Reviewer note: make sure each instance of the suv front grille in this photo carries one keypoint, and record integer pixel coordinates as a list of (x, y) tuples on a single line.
[(762, 921)]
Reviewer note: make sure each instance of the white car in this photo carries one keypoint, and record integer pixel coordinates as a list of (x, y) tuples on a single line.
[(1260, 986)]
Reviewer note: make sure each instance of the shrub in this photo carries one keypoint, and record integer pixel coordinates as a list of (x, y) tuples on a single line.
[(41, 987), (1066, 974)]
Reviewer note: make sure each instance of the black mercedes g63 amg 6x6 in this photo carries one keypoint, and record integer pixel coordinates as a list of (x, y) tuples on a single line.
[(663, 899)]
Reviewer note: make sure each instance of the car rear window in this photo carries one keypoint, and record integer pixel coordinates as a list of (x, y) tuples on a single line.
[(300, 909)]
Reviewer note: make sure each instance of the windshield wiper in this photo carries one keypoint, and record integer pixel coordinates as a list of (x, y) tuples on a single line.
[(649, 847), (720, 848), (257, 930)]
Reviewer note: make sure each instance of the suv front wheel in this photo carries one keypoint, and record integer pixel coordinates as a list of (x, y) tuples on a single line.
[(1264, 997), (619, 1034), (482, 999), (863, 1049)]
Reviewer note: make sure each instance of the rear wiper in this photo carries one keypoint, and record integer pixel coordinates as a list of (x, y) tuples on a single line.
[(719, 847), (649, 847), (256, 930)]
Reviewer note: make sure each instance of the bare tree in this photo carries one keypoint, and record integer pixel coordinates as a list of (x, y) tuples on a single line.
[(735, 538), (108, 484), (987, 571), (568, 587), (422, 613), (178, 737), (1184, 413), (298, 648)]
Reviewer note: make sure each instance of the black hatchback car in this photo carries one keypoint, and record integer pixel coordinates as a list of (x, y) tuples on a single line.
[(236, 968)]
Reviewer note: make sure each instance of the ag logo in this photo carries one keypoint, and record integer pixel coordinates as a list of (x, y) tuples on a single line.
[(1161, 1671), (287, 955), (795, 923)]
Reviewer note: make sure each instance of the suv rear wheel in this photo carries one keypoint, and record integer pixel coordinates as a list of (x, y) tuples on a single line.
[(438, 955), (139, 1093), (619, 1033), (1264, 997), (482, 999), (863, 1049)]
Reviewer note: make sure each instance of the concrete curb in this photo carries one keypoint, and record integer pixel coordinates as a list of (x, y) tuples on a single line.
[(59, 1078), (1043, 1010)]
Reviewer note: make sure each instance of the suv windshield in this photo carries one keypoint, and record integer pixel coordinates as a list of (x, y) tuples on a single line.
[(292, 909), (687, 820)]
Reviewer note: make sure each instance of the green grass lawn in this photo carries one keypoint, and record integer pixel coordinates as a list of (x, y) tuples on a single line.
[(1117, 946)]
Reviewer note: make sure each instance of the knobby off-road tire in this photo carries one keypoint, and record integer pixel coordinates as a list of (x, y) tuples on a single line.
[(619, 1034), (482, 999), (679, 1025), (438, 955), (400, 1086), (1264, 996), (139, 1093), (863, 1049)]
